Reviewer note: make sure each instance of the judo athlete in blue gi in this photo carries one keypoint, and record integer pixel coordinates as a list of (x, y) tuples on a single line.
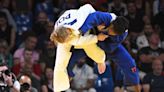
[(117, 30)]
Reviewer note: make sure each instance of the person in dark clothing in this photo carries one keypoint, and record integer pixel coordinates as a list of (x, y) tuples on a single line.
[(154, 81)]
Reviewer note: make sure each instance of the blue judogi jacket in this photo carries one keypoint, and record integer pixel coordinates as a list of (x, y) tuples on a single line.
[(98, 18)]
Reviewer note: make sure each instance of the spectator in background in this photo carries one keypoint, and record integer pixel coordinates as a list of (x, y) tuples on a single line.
[(41, 21), (48, 56), (22, 6), (135, 18), (8, 80), (16, 66), (5, 56), (5, 7), (58, 5), (29, 44), (147, 54), (35, 67), (104, 82), (23, 22), (159, 19), (154, 81), (23, 17), (6, 4), (117, 7), (143, 7), (44, 37), (68, 4), (28, 70), (147, 20), (135, 24), (84, 77), (142, 40), (157, 6), (100, 5), (129, 48), (47, 7), (7, 32), (47, 80), (26, 84)]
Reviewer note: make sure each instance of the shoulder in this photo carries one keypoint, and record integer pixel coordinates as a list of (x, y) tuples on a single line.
[(148, 77), (161, 50), (34, 89), (17, 85), (141, 37), (110, 4), (145, 48), (113, 16), (88, 68), (123, 5), (19, 51)]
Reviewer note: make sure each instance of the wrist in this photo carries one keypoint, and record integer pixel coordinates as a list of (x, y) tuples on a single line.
[(10, 83)]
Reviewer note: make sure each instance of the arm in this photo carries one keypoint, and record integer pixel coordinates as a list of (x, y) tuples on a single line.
[(82, 14), (84, 40), (146, 87), (146, 83), (11, 21), (88, 39), (60, 79), (14, 87), (12, 39), (63, 50), (97, 18), (146, 58)]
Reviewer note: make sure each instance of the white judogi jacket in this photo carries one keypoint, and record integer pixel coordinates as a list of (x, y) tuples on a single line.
[(74, 19)]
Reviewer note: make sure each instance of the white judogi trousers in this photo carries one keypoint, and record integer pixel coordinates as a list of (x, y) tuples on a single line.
[(61, 79), (86, 42)]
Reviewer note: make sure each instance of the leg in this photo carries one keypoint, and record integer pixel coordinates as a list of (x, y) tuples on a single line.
[(97, 55), (123, 59), (60, 78), (76, 55)]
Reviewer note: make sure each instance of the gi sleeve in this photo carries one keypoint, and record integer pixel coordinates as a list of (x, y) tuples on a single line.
[(97, 18), (84, 40)]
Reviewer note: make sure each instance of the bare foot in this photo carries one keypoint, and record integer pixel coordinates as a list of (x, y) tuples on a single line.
[(101, 67)]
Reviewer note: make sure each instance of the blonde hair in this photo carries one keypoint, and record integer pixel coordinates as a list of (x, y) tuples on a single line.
[(60, 34)]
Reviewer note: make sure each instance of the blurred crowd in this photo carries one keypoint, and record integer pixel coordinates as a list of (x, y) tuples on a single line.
[(25, 48)]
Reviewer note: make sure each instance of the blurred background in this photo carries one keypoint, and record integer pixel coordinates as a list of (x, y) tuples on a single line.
[(25, 48)]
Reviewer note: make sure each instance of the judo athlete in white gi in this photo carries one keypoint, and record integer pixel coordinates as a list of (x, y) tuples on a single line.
[(67, 34)]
